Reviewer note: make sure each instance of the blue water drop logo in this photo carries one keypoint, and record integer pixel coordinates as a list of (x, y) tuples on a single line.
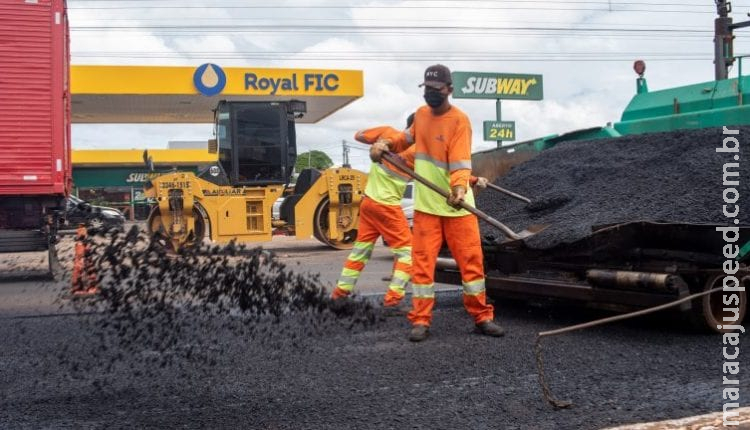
[(209, 79)]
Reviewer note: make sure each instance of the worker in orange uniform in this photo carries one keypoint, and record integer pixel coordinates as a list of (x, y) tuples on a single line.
[(380, 214), (442, 145), (84, 280)]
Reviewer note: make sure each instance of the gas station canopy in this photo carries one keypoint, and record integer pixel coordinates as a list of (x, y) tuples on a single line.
[(156, 94)]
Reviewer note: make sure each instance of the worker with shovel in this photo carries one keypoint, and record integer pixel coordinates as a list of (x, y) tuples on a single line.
[(381, 215), (442, 139)]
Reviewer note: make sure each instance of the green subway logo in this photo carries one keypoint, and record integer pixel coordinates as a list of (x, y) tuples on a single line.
[(497, 86)]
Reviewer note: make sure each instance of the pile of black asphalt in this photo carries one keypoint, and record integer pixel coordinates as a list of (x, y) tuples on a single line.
[(151, 301), (675, 177)]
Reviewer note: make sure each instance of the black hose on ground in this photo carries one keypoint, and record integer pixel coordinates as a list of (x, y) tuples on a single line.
[(564, 404)]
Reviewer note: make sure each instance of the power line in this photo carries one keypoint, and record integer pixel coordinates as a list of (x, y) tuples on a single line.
[(359, 147), (606, 7), (475, 57), (468, 35), (410, 31), (366, 28), (307, 20), (398, 54), (281, 6)]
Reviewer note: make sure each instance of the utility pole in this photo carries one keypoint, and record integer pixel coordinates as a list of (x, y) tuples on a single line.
[(724, 39), (345, 148)]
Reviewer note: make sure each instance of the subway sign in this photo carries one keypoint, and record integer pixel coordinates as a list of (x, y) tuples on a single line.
[(103, 177), (476, 85), (499, 130)]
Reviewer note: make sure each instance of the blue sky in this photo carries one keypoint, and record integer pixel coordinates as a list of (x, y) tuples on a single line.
[(584, 50)]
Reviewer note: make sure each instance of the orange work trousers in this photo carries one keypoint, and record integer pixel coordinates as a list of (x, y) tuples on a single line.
[(375, 220), (462, 237)]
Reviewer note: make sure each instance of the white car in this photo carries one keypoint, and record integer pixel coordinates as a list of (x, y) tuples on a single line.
[(407, 203), (276, 209)]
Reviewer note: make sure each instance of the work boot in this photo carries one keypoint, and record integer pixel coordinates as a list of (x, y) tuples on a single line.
[(489, 328), (340, 293), (85, 293), (397, 310), (419, 333)]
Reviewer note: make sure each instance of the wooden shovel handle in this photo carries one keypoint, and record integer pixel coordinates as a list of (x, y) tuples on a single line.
[(396, 161)]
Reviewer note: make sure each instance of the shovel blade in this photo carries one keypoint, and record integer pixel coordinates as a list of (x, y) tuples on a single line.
[(528, 232)]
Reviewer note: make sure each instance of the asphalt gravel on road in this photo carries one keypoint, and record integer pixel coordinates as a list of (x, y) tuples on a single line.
[(282, 374)]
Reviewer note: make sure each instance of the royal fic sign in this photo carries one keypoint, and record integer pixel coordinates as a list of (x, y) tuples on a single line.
[(210, 79), (477, 85)]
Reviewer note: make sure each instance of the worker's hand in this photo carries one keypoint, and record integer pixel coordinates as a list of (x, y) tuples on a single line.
[(482, 182), (457, 196), (377, 149)]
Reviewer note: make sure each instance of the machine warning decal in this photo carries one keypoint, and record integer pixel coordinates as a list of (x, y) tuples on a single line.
[(209, 79), (232, 192)]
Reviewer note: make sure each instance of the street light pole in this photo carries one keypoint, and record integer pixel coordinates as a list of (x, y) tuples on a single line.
[(346, 154)]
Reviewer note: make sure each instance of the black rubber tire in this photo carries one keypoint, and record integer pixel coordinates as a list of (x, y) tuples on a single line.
[(320, 228), (157, 233)]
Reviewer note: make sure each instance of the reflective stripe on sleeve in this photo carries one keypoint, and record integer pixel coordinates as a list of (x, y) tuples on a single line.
[(458, 165)]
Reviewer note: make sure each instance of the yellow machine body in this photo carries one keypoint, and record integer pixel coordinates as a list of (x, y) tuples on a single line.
[(234, 199), (189, 206), (329, 210)]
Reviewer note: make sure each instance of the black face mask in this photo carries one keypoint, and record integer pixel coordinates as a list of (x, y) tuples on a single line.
[(434, 98)]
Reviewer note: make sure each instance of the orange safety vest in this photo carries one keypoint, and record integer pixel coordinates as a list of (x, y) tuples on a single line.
[(386, 184), (442, 155)]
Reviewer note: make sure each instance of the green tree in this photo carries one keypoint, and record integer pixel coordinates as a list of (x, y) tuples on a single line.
[(315, 159)]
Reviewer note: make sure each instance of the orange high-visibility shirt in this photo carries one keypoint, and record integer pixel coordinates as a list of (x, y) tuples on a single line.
[(386, 184), (442, 155)]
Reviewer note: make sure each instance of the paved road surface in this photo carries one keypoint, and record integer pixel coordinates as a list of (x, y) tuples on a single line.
[(61, 371)]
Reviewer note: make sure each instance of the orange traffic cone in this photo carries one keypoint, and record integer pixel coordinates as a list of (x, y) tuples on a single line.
[(84, 281)]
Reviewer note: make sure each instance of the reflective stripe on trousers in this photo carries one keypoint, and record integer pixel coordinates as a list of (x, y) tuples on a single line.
[(377, 220), (355, 262), (462, 237)]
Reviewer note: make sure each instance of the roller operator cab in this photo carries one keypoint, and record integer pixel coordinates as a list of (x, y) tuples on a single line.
[(256, 142), (233, 199)]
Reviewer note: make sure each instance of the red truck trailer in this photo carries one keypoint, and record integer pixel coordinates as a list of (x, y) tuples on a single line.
[(35, 154)]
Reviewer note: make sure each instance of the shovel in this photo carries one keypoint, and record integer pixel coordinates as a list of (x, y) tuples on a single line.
[(508, 192), (530, 231), (549, 203)]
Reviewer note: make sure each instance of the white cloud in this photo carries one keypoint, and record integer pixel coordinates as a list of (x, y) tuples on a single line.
[(577, 93)]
